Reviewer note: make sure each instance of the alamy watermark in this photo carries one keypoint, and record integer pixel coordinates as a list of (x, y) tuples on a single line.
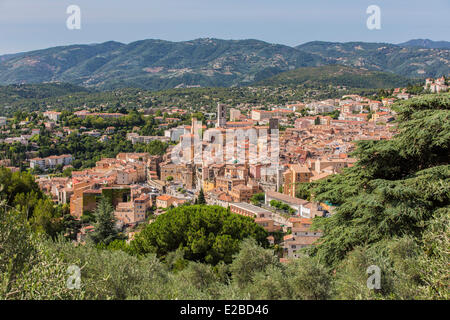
[(374, 280), (74, 280), (73, 22), (374, 20)]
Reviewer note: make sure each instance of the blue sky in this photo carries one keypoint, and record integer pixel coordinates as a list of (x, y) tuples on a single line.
[(35, 24)]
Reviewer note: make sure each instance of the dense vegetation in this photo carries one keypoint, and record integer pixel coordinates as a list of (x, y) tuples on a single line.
[(20, 193), (337, 75), (18, 92)]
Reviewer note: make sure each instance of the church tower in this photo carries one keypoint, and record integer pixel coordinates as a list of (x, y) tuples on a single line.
[(221, 116)]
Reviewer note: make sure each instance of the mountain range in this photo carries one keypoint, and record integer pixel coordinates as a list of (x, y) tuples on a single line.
[(426, 43), (159, 64), (411, 62)]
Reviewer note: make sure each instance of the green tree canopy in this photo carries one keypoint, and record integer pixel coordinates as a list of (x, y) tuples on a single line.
[(157, 147), (257, 198), (206, 233)]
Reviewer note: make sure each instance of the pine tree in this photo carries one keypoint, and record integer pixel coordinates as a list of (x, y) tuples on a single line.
[(105, 229)]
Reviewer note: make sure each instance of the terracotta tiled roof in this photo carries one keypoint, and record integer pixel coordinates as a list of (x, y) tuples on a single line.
[(164, 197)]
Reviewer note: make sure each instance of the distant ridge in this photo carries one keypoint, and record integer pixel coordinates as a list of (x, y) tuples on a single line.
[(426, 43), (207, 62), (156, 64), (411, 62)]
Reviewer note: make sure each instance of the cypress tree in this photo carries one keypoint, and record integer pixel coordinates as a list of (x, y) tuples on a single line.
[(201, 197)]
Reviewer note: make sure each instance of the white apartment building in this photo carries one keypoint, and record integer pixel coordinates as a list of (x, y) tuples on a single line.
[(51, 162)]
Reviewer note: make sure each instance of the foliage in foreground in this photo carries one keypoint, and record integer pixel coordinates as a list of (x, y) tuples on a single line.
[(409, 272)]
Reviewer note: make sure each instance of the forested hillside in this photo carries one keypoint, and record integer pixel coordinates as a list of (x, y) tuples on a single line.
[(158, 64), (336, 75), (155, 64), (19, 93), (407, 61)]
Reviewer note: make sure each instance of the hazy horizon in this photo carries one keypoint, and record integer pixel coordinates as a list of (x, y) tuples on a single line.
[(28, 25), (126, 43)]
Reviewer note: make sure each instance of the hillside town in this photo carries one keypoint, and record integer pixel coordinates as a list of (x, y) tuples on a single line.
[(224, 159), (314, 140)]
